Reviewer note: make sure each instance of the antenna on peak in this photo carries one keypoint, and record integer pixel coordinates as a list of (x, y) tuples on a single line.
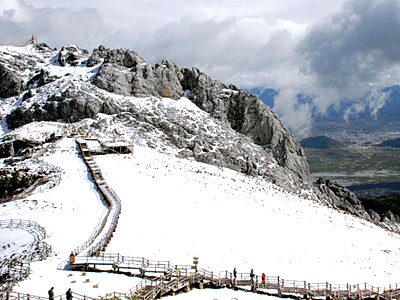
[(33, 39)]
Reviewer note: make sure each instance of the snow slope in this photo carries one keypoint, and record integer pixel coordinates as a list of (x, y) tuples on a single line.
[(174, 209)]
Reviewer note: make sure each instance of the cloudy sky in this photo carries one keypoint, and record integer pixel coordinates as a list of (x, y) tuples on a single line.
[(329, 50)]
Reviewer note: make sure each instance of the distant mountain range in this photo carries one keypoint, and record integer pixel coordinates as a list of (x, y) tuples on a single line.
[(390, 143), (389, 113)]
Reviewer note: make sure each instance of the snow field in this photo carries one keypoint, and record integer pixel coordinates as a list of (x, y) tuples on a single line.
[(174, 209)]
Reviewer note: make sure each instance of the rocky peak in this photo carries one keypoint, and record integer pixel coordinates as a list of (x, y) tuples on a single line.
[(126, 73)]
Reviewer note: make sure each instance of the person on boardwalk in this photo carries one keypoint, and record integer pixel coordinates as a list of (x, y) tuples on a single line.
[(51, 293), (263, 278), (69, 294), (252, 275), (234, 276)]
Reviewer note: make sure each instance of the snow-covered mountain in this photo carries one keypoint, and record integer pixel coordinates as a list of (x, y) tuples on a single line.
[(214, 173)]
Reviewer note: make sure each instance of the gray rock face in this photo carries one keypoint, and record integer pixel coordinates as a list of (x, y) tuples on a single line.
[(248, 115), (72, 55), (97, 56), (18, 177), (69, 106), (341, 198), (41, 79), (124, 72), (11, 84), (13, 72), (16, 147)]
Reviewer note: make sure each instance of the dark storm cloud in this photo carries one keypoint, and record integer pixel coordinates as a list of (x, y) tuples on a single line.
[(355, 47)]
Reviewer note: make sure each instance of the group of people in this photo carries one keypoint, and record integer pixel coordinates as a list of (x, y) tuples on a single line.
[(68, 294), (251, 276)]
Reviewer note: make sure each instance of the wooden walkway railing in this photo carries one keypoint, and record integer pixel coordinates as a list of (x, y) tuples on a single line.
[(95, 244), (17, 267), (21, 296)]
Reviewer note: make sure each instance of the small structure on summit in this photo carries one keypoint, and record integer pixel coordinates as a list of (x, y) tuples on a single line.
[(33, 40)]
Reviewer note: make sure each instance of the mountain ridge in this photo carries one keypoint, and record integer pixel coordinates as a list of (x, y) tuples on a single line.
[(117, 94)]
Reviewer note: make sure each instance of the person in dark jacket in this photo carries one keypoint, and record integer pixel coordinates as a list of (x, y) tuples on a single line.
[(69, 294), (252, 275), (51, 293)]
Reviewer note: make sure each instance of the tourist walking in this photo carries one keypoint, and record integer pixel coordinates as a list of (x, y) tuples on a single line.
[(69, 294), (51, 293), (252, 275)]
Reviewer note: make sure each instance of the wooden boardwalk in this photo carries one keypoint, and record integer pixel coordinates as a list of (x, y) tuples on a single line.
[(162, 278)]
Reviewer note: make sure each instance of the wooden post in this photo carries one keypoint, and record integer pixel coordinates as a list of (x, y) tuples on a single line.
[(279, 287)]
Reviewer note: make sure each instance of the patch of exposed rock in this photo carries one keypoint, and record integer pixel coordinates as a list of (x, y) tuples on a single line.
[(13, 70), (11, 84), (17, 147), (124, 72), (71, 106), (343, 199), (18, 178), (72, 55)]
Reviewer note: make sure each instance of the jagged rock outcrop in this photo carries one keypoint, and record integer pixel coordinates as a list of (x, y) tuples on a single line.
[(248, 115), (41, 79), (72, 55), (342, 198), (124, 72), (13, 72), (17, 147), (11, 84), (18, 177), (97, 56), (70, 106)]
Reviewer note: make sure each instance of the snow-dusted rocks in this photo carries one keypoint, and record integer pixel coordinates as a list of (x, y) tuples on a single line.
[(17, 67), (126, 73), (10, 83), (72, 55)]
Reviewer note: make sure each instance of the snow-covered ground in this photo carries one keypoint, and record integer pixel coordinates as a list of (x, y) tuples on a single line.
[(174, 209)]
